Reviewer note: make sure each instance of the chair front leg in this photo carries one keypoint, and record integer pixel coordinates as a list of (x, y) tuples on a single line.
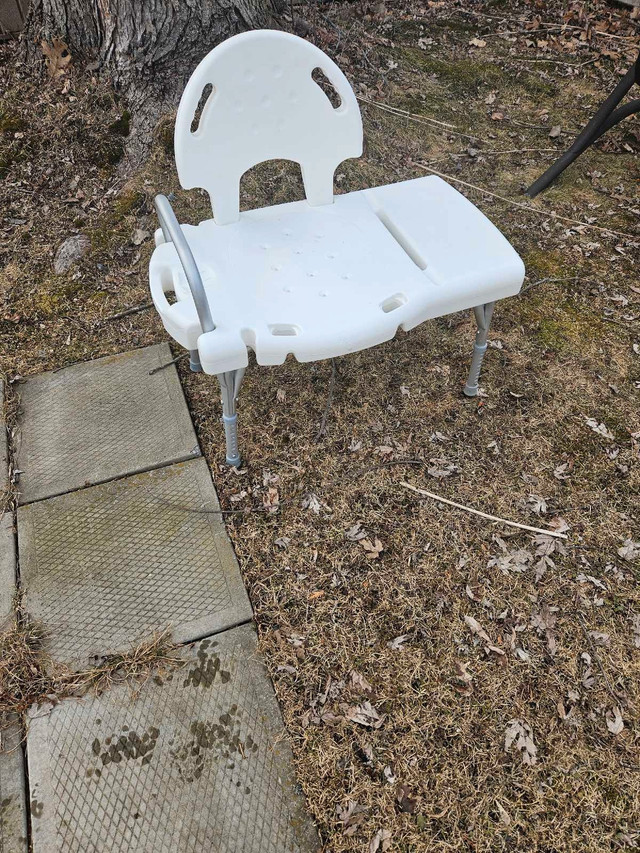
[(483, 315), (230, 386)]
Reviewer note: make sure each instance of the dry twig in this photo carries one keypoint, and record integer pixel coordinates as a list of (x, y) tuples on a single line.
[(483, 514)]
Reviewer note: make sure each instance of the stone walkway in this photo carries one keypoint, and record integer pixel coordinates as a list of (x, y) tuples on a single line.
[(116, 540)]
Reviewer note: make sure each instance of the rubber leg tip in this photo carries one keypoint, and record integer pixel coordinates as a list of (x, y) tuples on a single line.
[(469, 391)]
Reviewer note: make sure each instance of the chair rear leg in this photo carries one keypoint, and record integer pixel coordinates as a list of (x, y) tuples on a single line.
[(194, 361), (229, 386), (483, 319)]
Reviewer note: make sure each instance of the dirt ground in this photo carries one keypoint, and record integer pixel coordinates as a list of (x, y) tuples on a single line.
[(448, 683)]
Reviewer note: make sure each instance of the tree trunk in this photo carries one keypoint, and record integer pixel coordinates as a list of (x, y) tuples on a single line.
[(148, 47)]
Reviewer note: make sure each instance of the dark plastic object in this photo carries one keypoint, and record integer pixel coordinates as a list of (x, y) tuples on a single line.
[(606, 117)]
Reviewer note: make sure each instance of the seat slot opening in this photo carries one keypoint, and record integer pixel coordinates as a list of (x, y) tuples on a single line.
[(401, 240)]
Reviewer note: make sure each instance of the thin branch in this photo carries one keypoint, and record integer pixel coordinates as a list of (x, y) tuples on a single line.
[(135, 310), (547, 280), (428, 122), (168, 364), (483, 514), (551, 214), (402, 112), (325, 416)]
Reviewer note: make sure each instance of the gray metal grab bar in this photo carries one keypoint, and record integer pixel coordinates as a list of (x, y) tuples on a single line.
[(173, 233)]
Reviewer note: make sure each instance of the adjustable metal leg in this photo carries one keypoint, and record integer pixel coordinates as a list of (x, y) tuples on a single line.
[(194, 361), (483, 318), (229, 386)]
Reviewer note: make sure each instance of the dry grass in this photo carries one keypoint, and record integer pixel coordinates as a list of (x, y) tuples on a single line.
[(28, 675), (431, 768)]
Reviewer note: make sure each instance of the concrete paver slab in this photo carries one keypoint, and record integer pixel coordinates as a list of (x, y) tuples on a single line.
[(193, 762), (4, 444), (96, 421), (7, 535), (13, 814), (104, 567), (7, 570)]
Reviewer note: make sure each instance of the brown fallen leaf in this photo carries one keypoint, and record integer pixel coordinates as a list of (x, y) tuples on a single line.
[(271, 499), (57, 57), (364, 715), (477, 628), (359, 682), (463, 680), (615, 722), (406, 803), (373, 549), (381, 841), (350, 815), (520, 735)]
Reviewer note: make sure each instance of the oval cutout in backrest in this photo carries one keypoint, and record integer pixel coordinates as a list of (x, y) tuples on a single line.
[(392, 302), (207, 93), (320, 79)]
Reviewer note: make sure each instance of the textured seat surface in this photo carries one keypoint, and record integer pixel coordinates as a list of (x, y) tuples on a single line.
[(327, 280)]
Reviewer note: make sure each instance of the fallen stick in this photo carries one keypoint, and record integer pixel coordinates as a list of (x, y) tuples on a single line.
[(135, 310), (483, 514), (406, 113)]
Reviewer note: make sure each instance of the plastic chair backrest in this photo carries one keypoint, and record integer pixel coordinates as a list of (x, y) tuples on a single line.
[(264, 105)]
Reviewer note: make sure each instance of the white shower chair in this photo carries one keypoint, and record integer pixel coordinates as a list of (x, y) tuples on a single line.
[(317, 278)]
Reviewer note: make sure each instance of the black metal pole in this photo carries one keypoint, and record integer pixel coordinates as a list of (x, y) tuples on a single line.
[(604, 119)]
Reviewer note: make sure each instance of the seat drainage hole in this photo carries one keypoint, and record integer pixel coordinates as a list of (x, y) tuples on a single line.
[(393, 302), (284, 330)]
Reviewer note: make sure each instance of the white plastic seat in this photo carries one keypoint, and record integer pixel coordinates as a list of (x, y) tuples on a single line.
[(316, 278)]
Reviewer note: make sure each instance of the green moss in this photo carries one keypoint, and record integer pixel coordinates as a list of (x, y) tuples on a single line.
[(11, 123), (164, 135), (121, 126), (460, 76), (128, 202), (553, 334), (559, 322), (111, 227), (108, 153), (48, 300), (6, 161), (546, 264)]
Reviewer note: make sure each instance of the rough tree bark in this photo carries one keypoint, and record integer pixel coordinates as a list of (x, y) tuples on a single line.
[(148, 47)]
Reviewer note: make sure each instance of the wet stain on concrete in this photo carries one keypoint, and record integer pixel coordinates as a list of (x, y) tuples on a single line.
[(208, 667), (128, 746), (209, 740), (36, 808)]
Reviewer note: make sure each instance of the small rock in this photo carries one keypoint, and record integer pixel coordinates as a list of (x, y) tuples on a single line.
[(555, 131), (70, 251)]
